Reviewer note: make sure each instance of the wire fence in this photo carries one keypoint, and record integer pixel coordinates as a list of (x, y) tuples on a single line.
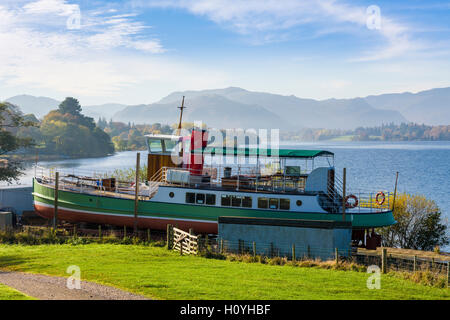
[(407, 263), (392, 262)]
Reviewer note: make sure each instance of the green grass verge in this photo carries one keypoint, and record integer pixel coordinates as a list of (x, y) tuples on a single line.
[(162, 274), (7, 293)]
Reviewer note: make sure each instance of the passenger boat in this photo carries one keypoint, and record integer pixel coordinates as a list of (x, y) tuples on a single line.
[(195, 192)]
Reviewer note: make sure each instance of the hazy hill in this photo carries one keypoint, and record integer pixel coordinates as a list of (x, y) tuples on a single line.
[(39, 106), (106, 110), (236, 107), (293, 112), (212, 109), (430, 106)]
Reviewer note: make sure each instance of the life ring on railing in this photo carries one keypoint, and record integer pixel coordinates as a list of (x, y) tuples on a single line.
[(380, 194), (349, 204)]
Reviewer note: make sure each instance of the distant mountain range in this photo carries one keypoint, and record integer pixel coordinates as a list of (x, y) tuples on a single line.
[(40, 106), (235, 107)]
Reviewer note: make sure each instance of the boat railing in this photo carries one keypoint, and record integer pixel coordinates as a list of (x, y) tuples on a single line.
[(238, 178), (95, 182), (381, 200)]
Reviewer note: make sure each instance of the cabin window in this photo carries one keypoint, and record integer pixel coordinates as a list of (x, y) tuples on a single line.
[(171, 194), (285, 204), (190, 197), (169, 145), (200, 198), (247, 202), (273, 203), (155, 146), (263, 203), (226, 200), (236, 201), (211, 199), (299, 203)]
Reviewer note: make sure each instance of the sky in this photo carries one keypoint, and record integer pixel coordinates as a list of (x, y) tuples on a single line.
[(138, 51)]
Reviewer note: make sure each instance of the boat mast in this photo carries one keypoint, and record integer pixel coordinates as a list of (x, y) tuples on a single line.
[(181, 116)]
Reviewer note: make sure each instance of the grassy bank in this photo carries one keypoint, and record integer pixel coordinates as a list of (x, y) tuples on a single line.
[(162, 274), (7, 293)]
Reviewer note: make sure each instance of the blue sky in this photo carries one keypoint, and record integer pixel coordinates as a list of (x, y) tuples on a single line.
[(138, 51)]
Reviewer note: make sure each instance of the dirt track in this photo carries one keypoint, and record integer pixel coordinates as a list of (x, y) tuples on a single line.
[(55, 288)]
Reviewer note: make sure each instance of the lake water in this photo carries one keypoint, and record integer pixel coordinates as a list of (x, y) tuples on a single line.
[(371, 166)]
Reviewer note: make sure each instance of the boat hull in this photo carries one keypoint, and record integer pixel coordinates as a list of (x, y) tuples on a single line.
[(101, 209), (158, 223)]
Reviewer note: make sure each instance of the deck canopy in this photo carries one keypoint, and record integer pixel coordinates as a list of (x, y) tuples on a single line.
[(256, 152)]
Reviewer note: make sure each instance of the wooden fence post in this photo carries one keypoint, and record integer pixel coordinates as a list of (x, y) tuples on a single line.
[(271, 250), (383, 260), (55, 212), (100, 231), (124, 232), (448, 274), (74, 230), (254, 248), (293, 252), (149, 238), (309, 252), (221, 246), (169, 236), (136, 194), (415, 264), (181, 247), (336, 255)]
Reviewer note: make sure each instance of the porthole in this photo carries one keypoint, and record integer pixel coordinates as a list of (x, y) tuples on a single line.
[(171, 194), (299, 203)]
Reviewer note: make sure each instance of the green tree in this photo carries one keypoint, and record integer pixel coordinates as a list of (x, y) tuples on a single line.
[(70, 105), (419, 224), (73, 134), (11, 121)]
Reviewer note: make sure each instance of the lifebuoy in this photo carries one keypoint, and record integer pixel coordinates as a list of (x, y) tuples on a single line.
[(351, 205), (381, 193)]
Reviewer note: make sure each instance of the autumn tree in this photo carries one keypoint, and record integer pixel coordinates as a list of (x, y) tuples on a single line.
[(69, 133), (419, 224), (11, 121)]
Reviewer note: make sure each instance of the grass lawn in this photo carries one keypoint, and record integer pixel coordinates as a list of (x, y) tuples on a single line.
[(162, 274), (7, 293)]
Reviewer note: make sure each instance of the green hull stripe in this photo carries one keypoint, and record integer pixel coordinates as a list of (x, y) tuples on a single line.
[(109, 205)]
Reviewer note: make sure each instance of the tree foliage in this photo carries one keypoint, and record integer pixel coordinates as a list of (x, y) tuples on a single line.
[(70, 105), (11, 122), (67, 132), (419, 224), (130, 136), (385, 132)]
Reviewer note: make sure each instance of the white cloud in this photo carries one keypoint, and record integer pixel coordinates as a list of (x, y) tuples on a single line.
[(59, 7), (268, 18), (36, 54)]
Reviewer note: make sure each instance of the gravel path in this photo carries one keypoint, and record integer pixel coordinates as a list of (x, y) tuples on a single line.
[(55, 288)]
